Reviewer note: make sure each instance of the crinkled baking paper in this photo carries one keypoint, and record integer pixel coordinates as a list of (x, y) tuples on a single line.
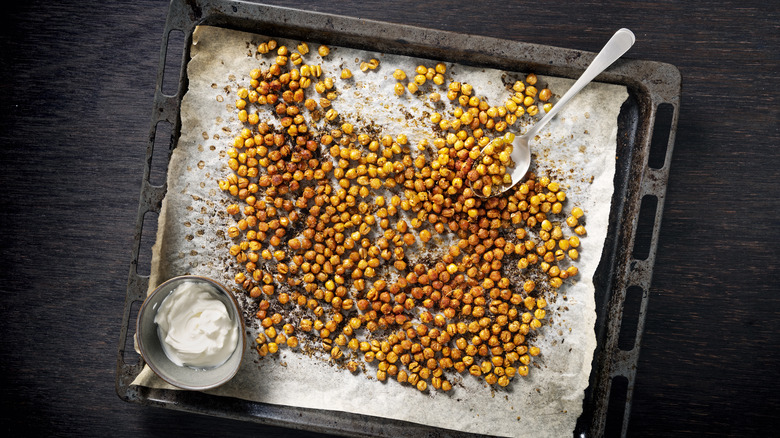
[(577, 149)]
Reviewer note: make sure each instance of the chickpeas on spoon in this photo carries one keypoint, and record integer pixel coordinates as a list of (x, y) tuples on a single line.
[(513, 152)]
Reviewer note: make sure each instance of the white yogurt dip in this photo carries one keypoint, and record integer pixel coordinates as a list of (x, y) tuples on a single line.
[(194, 326)]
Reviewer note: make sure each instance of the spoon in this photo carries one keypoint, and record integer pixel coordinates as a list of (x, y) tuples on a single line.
[(619, 44)]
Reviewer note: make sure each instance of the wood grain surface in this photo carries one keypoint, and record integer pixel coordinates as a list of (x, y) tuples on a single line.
[(77, 82)]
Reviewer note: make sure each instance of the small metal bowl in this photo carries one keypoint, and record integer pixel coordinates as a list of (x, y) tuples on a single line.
[(151, 349)]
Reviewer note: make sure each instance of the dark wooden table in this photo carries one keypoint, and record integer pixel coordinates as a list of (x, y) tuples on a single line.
[(77, 83)]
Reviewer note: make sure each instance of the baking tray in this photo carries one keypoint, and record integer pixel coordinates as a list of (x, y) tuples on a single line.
[(646, 131)]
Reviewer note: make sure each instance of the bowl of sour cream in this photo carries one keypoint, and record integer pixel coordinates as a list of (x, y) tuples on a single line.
[(190, 332)]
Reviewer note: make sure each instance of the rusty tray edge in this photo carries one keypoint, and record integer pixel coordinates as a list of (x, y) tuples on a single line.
[(650, 85)]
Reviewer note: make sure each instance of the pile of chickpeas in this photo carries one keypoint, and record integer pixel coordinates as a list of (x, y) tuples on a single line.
[(379, 254)]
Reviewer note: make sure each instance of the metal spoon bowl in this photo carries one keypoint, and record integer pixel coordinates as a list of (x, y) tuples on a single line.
[(618, 45)]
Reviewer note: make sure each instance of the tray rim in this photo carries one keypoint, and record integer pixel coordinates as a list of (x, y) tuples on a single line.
[(652, 83)]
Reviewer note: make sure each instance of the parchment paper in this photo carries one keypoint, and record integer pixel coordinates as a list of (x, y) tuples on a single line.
[(577, 149)]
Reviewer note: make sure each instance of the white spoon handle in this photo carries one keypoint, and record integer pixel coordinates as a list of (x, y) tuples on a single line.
[(619, 44)]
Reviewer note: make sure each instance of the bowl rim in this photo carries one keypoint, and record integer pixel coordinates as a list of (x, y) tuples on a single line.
[(241, 347)]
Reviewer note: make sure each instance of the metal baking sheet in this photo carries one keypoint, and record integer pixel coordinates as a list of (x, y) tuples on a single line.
[(646, 128)]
